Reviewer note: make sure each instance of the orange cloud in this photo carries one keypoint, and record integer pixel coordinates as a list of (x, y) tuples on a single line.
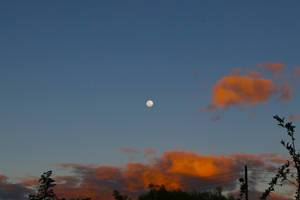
[(240, 90), (191, 164), (278, 160), (235, 71), (245, 91), (175, 169), (253, 73), (274, 68)]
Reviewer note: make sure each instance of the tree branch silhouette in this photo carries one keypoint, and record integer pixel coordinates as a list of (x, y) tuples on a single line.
[(284, 171)]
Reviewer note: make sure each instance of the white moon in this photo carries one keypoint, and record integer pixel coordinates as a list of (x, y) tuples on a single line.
[(149, 103)]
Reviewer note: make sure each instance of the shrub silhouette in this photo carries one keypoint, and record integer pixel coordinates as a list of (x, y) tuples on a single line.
[(285, 172)]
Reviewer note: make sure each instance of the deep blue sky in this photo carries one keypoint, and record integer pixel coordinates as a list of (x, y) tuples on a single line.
[(75, 75)]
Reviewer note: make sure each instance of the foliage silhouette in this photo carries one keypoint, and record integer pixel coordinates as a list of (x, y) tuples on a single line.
[(118, 196), (285, 172), (45, 190), (159, 192)]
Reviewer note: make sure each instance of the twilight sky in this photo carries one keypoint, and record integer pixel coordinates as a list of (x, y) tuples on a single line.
[(75, 75)]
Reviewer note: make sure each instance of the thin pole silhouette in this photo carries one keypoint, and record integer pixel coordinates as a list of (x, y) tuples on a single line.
[(246, 182)]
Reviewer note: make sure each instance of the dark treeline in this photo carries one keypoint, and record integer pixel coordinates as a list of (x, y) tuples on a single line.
[(161, 193)]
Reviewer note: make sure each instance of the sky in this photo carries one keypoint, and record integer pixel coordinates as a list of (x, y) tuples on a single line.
[(75, 76)]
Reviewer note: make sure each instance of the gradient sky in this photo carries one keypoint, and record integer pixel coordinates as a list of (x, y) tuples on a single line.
[(75, 75)]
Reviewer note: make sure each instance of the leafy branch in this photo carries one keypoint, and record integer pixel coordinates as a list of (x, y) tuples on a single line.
[(285, 170)]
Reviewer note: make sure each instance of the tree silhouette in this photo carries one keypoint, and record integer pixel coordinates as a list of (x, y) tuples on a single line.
[(284, 173), (45, 190)]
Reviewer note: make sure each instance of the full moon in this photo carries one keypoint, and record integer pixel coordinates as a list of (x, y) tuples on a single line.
[(149, 103)]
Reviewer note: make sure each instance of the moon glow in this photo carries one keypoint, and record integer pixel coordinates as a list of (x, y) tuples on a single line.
[(149, 103)]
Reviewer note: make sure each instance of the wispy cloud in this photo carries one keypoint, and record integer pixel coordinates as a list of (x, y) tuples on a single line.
[(129, 150), (149, 152), (253, 73), (285, 92), (293, 117), (274, 68)]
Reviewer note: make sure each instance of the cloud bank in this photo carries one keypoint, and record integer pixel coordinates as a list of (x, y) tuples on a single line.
[(10, 191), (174, 169)]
